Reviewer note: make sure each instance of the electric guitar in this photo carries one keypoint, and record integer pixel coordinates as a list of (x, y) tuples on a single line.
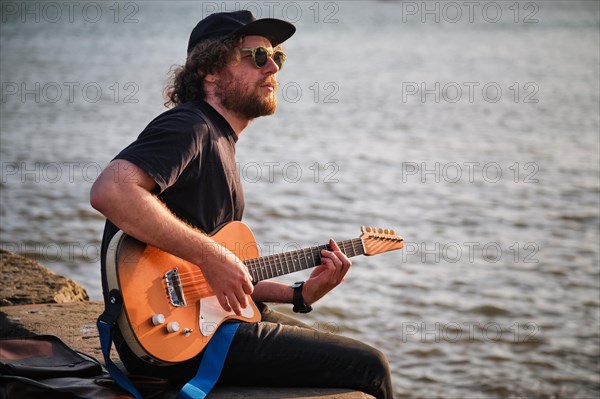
[(169, 310)]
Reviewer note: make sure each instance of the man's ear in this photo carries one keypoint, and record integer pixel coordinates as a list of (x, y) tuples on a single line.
[(210, 77)]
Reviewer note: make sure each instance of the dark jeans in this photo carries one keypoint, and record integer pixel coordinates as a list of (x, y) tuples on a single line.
[(282, 351)]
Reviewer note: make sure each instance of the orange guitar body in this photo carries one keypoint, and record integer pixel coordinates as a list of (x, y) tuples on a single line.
[(138, 271)]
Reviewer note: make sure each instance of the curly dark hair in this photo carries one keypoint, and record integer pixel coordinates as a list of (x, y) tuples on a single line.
[(186, 82)]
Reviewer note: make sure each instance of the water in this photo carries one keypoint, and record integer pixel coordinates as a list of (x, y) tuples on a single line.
[(476, 137)]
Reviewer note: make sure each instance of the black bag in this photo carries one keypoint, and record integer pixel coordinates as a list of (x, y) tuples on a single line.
[(44, 367)]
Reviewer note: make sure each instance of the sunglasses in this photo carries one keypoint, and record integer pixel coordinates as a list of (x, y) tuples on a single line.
[(260, 56)]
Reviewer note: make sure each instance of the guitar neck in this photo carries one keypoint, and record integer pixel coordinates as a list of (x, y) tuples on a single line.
[(267, 267)]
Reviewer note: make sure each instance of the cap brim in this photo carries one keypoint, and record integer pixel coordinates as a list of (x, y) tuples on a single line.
[(276, 30)]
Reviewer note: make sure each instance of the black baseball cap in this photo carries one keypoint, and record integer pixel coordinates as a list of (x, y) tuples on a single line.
[(241, 23)]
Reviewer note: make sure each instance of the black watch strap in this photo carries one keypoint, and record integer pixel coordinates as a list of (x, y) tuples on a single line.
[(299, 305)]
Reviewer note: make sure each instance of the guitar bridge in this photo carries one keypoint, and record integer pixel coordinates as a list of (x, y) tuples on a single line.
[(174, 288)]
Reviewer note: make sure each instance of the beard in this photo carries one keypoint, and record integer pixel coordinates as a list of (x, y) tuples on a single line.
[(246, 99)]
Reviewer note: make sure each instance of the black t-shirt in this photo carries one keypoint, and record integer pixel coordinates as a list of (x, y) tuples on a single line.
[(189, 151)]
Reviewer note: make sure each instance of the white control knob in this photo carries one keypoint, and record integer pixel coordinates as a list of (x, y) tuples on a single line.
[(158, 319), (173, 327)]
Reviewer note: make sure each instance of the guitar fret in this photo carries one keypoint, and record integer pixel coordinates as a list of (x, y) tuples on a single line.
[(347, 249), (283, 262), (298, 266), (271, 264), (294, 260), (351, 244), (316, 253), (277, 264), (282, 271), (250, 265), (298, 260), (258, 269), (305, 258), (287, 265), (263, 270), (342, 246), (361, 247), (266, 267)]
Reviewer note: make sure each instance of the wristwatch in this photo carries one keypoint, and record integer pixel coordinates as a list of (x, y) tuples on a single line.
[(299, 305)]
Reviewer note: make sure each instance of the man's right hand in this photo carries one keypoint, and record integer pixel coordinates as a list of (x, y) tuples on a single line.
[(228, 277)]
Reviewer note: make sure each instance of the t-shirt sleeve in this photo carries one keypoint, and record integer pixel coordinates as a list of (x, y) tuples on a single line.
[(167, 146)]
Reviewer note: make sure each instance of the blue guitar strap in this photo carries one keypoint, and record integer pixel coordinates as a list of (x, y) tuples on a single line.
[(208, 372), (212, 363), (105, 331)]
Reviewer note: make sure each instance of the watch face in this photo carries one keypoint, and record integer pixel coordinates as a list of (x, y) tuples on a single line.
[(297, 284)]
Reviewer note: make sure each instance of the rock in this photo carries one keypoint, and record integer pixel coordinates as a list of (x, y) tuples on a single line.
[(25, 281)]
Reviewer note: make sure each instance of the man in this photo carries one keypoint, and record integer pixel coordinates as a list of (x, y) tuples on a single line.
[(175, 182)]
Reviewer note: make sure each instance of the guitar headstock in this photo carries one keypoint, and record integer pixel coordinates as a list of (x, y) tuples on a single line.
[(376, 241)]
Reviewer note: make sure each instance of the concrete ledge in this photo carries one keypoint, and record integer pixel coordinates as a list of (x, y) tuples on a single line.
[(284, 393), (75, 324), (48, 304)]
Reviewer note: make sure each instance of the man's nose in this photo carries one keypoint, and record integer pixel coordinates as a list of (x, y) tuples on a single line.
[(271, 66)]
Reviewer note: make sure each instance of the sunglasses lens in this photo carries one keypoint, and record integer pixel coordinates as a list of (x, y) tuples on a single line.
[(279, 58), (260, 57)]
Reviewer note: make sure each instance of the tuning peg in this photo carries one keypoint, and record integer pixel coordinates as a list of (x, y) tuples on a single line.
[(386, 231), (380, 230), (392, 232), (362, 229), (369, 229)]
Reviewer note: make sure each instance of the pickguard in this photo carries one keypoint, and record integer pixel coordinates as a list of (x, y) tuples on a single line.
[(212, 314)]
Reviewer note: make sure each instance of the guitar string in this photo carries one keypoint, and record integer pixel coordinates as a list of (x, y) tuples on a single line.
[(254, 264), (193, 292), (189, 284), (187, 279)]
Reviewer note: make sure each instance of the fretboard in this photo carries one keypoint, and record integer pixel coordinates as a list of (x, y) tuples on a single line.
[(270, 266)]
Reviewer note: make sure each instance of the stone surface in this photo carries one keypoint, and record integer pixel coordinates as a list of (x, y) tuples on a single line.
[(75, 325), (25, 281), (284, 393)]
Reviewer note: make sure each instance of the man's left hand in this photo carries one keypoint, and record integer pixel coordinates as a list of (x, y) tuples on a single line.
[(327, 276)]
